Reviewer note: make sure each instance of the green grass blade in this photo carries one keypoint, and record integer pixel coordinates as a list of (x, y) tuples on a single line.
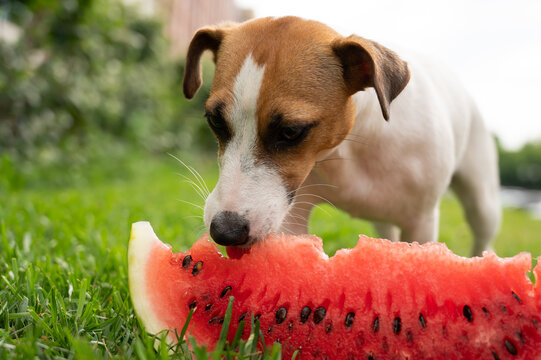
[(254, 336), (182, 335), (40, 321), (82, 298), (225, 330), (276, 353), (140, 350), (238, 335)]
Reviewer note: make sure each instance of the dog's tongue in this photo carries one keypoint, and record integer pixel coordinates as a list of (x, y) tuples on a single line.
[(236, 252)]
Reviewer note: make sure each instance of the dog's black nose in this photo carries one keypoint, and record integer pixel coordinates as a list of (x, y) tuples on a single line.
[(229, 228)]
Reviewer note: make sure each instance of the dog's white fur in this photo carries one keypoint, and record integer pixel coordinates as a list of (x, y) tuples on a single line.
[(395, 173), (254, 191)]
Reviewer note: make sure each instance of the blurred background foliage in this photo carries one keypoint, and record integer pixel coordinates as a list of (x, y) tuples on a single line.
[(88, 79), (522, 167)]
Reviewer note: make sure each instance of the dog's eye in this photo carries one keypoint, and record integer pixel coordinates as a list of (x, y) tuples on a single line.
[(215, 122), (292, 133), (218, 126), (289, 136)]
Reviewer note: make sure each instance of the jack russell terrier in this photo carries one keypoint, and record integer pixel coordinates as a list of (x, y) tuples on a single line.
[(300, 115)]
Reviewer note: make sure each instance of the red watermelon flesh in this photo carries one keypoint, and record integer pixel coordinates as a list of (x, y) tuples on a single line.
[(378, 300)]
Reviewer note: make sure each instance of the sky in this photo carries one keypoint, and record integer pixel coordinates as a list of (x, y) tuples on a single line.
[(493, 46)]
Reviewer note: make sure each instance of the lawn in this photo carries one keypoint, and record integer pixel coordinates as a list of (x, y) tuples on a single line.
[(63, 240)]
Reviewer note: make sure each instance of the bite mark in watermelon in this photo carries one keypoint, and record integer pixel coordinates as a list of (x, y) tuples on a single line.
[(378, 300)]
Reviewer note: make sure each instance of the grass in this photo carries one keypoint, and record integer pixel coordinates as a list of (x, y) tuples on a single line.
[(63, 275)]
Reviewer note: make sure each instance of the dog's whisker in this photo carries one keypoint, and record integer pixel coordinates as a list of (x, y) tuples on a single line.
[(321, 198), (195, 173), (328, 159), (310, 185), (201, 180), (201, 186), (190, 203), (357, 141), (286, 229), (360, 137), (193, 216), (199, 231), (298, 217), (315, 205), (196, 187), (316, 196), (292, 223)]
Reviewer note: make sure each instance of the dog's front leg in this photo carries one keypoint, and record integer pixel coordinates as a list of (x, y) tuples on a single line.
[(422, 228), (387, 230)]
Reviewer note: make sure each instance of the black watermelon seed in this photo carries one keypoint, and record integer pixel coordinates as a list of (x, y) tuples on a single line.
[(328, 328), (422, 320), (291, 326), (208, 307), (370, 357), (225, 291), (496, 357), (349, 319), (516, 297), (397, 325), (305, 313), (192, 305), (520, 336), (221, 320), (504, 308), (375, 326), (186, 261), (281, 314), (216, 319), (257, 317), (466, 310), (197, 267), (485, 311), (319, 314), (270, 329), (510, 347), (242, 316)]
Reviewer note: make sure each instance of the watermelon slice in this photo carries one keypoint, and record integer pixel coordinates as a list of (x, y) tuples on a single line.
[(379, 300)]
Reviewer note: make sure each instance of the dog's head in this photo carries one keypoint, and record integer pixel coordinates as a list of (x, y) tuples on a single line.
[(281, 95)]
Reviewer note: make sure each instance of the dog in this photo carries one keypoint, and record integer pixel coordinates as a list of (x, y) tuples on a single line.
[(304, 115)]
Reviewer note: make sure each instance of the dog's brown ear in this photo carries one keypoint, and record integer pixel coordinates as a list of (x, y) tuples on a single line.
[(368, 64), (207, 38)]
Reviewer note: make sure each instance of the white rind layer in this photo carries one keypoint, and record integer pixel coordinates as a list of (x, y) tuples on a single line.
[(142, 241)]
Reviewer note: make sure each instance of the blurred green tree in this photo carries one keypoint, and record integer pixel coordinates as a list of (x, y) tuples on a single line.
[(84, 70), (521, 168)]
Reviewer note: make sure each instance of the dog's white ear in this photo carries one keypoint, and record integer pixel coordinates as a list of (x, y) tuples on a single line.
[(368, 64), (207, 38)]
